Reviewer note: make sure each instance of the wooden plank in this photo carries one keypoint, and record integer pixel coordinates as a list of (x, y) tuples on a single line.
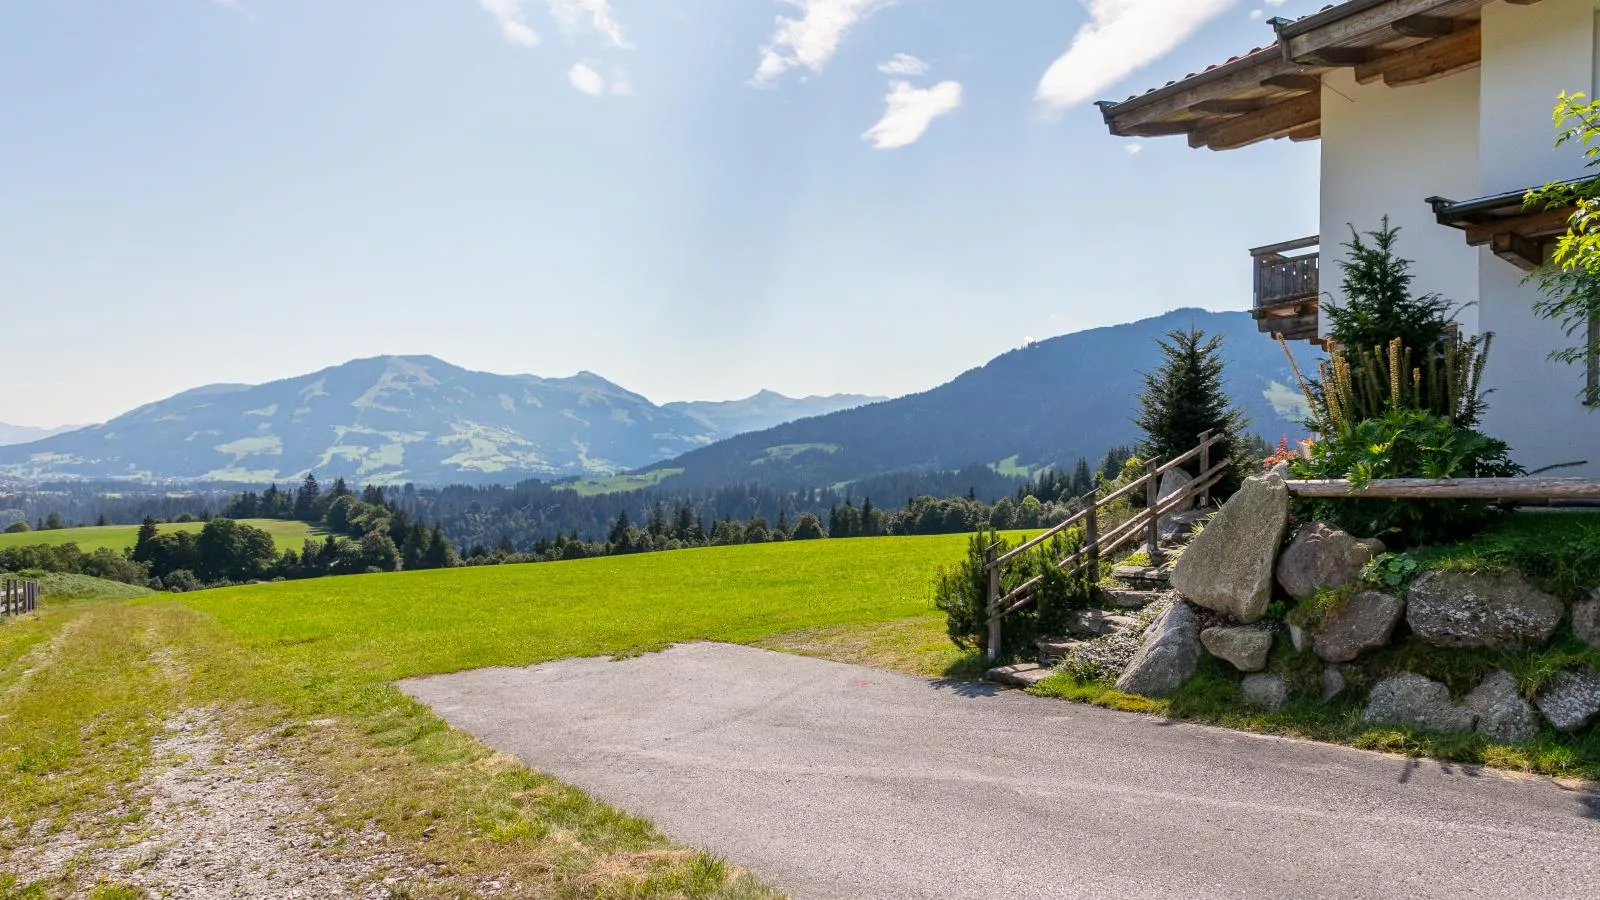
[(1277, 120), (1521, 252), (1428, 26), (1244, 76), (1311, 132), (1294, 81), (1544, 223), (1226, 107), (1454, 489), (1425, 62), (1360, 29)]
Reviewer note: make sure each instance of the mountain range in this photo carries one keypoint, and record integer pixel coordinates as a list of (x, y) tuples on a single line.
[(1044, 405), (395, 419), (22, 434), (387, 420)]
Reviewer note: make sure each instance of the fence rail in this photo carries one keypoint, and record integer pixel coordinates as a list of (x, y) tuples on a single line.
[(1147, 524), (1507, 489), (18, 596)]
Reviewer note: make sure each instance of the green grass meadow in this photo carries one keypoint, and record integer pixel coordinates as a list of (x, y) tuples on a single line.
[(411, 623), (286, 535), (312, 662)]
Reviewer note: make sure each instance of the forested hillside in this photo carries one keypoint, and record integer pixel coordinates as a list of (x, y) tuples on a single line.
[(1045, 405)]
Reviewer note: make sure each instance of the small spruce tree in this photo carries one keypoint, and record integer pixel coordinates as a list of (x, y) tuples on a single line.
[(1378, 304), (1186, 397)]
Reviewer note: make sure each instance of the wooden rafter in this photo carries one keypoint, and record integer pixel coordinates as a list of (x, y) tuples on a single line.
[(1524, 253), (1545, 223), (1428, 61), (1306, 41), (1278, 120)]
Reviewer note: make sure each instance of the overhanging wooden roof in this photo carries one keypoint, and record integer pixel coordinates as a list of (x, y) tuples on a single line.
[(1506, 225), (1275, 92)]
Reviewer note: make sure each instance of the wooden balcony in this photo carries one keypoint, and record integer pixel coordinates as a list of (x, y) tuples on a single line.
[(1287, 288)]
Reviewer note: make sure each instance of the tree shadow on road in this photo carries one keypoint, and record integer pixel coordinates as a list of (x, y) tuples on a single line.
[(964, 688)]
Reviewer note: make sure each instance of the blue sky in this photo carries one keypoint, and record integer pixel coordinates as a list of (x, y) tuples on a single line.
[(693, 198)]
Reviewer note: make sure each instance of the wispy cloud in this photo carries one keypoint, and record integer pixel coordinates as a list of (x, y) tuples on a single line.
[(910, 111), (811, 40), (1120, 36), (578, 16), (584, 77), (513, 21), (903, 64)]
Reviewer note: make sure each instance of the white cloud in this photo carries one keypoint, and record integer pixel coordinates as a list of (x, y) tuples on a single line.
[(587, 78), (911, 110), (1120, 36), (513, 22), (903, 64), (811, 40), (584, 77), (577, 16), (1257, 15), (1133, 149)]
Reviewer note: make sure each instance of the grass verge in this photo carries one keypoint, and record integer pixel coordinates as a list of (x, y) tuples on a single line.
[(1213, 697)]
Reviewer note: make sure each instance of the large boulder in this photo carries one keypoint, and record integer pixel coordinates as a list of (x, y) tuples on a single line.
[(1323, 557), (1173, 481), (1503, 716), (1471, 609), (1244, 646), (1167, 658), (1412, 700), (1363, 622), (1265, 690), (1228, 567), (1586, 620), (1571, 699)]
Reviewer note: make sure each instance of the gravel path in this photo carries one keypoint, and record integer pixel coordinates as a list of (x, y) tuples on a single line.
[(223, 820), (830, 780)]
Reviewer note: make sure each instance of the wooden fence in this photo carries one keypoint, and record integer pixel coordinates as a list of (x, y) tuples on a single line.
[(18, 596), (1509, 490), (1146, 525)]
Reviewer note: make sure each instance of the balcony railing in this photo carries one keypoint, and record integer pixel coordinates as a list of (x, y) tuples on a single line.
[(1287, 285)]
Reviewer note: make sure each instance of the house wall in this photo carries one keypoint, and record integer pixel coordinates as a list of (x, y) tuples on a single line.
[(1531, 54), (1384, 152)]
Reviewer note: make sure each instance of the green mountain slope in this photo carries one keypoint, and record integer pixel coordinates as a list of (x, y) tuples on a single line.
[(379, 420), (1043, 405)]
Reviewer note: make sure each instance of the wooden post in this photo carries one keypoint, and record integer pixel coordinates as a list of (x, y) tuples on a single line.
[(1091, 535), (1204, 500), (992, 602), (1152, 495)]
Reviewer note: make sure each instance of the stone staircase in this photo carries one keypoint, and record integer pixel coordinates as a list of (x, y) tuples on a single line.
[(1133, 588)]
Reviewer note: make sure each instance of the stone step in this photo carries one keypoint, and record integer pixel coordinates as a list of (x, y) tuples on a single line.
[(1140, 574), (1053, 649), (1020, 675), (1127, 598), (1093, 623)]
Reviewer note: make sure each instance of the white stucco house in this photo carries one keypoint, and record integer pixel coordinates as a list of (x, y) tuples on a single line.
[(1435, 113)]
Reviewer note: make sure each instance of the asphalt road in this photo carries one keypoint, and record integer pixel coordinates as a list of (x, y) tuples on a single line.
[(829, 780)]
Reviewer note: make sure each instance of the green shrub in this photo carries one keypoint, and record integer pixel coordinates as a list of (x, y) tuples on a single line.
[(1405, 443), (1392, 572), (961, 592)]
